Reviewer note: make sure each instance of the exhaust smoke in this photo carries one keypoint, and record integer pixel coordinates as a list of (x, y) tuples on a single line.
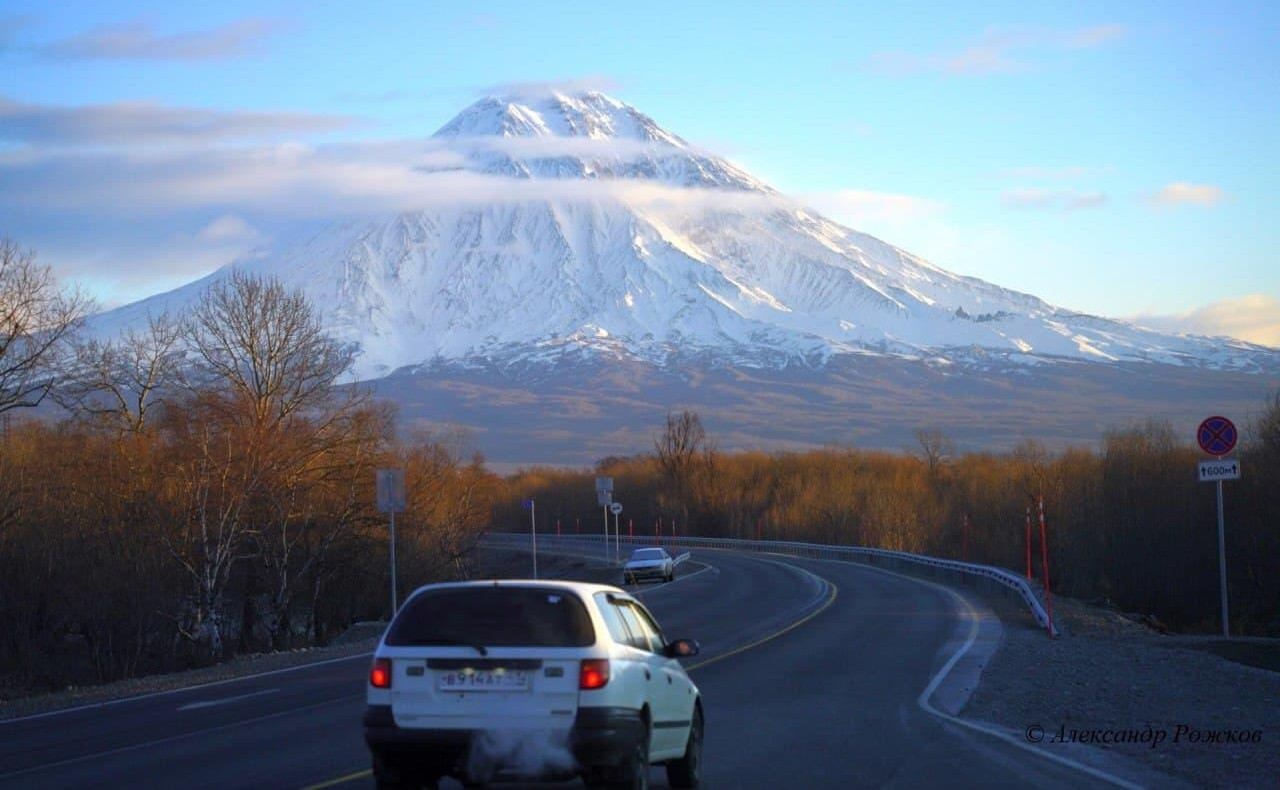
[(524, 752)]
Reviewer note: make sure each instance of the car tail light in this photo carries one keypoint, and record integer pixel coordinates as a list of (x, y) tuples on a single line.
[(594, 674), (380, 674)]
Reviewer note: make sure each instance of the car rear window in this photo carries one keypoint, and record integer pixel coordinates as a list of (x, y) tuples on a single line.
[(493, 617), (647, 554)]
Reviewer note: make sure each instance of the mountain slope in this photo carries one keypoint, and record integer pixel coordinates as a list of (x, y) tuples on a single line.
[(621, 241)]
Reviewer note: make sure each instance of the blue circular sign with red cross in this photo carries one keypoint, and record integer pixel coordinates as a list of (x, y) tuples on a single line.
[(1217, 436)]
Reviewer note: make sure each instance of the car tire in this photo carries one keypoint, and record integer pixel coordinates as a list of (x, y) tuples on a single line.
[(633, 774), (386, 777), (687, 771)]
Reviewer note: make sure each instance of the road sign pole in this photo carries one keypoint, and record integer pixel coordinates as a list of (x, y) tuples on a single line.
[(1222, 565), (606, 533), (391, 498), (1028, 544), (533, 530), (394, 603), (1217, 437)]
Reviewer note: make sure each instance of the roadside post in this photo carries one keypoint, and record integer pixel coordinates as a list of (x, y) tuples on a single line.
[(1217, 436), (616, 510), (1028, 543), (533, 532), (391, 499), (1044, 562), (604, 497)]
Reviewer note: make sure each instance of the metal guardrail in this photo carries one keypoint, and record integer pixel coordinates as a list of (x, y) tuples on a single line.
[(997, 579)]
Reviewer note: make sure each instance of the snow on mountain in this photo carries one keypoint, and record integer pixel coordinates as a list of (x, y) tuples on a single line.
[(646, 247)]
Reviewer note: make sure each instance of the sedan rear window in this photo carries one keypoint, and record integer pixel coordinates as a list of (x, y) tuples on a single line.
[(493, 617)]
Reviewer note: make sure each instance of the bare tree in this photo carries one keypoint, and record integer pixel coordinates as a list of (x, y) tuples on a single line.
[(936, 449), (259, 349), (686, 458), (37, 318), (264, 346), (120, 382)]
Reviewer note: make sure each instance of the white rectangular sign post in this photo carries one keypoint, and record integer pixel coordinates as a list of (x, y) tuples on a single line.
[(1217, 437), (604, 496), (391, 498), (1215, 472)]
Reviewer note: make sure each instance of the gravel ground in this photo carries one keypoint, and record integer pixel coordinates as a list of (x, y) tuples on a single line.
[(1109, 673)]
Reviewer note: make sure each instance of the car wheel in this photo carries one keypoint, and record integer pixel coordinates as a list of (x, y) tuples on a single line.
[(385, 777), (633, 774), (687, 771)]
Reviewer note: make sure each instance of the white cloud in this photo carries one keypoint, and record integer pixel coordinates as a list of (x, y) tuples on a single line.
[(297, 181), (1095, 36), (591, 82), (136, 123), (1181, 193), (138, 41), (228, 228), (858, 207), (999, 50), (1254, 317), (1052, 199)]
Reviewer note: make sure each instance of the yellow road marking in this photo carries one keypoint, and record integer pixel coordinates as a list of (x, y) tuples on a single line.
[(342, 779), (830, 599)]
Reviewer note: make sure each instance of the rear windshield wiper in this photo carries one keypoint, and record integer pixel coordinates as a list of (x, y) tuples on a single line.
[(481, 649)]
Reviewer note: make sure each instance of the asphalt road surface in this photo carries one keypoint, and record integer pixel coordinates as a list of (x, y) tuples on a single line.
[(810, 674)]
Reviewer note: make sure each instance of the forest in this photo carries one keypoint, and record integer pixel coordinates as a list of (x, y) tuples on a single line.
[(202, 487), (1128, 523)]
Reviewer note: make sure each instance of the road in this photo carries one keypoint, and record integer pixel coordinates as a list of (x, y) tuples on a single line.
[(810, 672)]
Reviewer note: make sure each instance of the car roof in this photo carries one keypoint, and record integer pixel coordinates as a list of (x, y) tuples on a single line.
[(584, 589)]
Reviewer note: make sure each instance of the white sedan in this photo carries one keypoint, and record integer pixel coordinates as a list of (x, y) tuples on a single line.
[(649, 564)]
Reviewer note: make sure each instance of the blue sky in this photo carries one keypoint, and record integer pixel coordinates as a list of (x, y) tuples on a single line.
[(1114, 158)]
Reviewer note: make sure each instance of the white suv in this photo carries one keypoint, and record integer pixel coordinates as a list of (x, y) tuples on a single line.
[(530, 680)]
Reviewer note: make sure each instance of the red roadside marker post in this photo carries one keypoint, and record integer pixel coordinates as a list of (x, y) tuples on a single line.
[(1044, 561), (1217, 437), (1028, 543)]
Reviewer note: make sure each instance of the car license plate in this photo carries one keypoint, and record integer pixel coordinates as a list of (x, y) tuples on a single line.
[(484, 680)]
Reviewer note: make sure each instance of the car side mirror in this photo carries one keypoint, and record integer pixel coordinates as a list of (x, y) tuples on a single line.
[(682, 648)]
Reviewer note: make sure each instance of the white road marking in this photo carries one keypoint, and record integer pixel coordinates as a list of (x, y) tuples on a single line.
[(135, 746), (210, 684), (971, 615), (226, 700)]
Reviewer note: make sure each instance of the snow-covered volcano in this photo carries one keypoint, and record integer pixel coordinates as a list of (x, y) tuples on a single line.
[(601, 234)]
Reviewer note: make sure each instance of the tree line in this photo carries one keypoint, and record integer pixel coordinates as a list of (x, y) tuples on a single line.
[(1127, 521), (200, 486)]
